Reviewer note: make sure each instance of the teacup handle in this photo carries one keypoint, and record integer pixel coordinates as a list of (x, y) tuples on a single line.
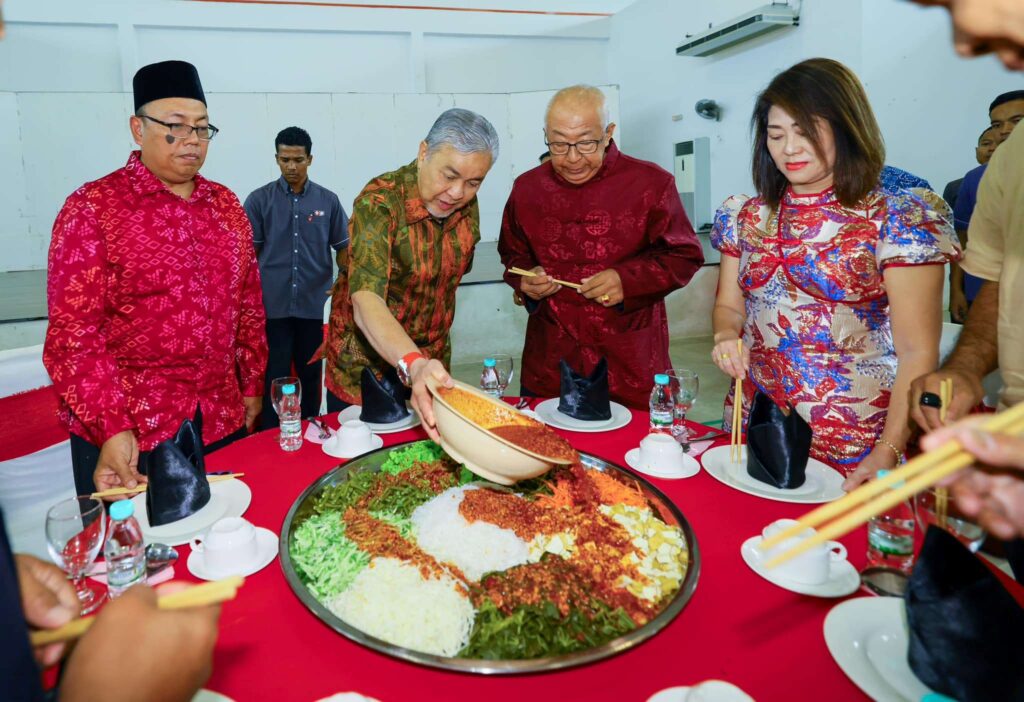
[(837, 552), (196, 544)]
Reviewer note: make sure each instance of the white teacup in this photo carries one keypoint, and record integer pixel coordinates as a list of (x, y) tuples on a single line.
[(229, 546), (354, 437), (810, 567), (661, 452)]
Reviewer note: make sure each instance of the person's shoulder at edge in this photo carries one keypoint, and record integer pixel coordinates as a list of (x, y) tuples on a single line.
[(631, 164), (115, 181)]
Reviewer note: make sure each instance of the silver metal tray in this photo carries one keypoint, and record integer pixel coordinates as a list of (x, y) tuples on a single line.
[(303, 508)]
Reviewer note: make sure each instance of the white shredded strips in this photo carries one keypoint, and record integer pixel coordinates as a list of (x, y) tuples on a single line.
[(476, 548), (391, 601)]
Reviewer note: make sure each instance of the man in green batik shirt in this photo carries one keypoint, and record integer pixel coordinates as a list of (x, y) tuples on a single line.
[(411, 239)]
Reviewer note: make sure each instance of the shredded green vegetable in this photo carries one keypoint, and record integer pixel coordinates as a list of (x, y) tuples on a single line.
[(338, 498), (539, 631), (324, 557), (402, 500), (421, 451), (398, 521)]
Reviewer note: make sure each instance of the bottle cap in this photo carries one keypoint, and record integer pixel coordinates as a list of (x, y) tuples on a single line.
[(490, 363), (661, 379), (288, 389), (882, 472), (122, 509)]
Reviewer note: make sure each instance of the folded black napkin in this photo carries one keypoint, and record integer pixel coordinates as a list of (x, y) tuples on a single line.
[(177, 477), (966, 630), (778, 444), (383, 398), (585, 398)]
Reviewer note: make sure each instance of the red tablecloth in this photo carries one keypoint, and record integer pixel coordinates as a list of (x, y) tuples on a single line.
[(738, 627)]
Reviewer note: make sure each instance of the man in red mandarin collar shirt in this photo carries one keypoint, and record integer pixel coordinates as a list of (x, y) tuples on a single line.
[(156, 313)]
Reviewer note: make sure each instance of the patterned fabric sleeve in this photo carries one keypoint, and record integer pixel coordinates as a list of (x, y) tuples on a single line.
[(75, 354), (251, 340), (369, 248), (724, 236), (916, 231)]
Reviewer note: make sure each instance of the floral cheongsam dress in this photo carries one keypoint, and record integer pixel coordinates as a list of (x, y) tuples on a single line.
[(817, 321)]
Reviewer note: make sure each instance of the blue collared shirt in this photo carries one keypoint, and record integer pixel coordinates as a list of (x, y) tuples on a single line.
[(294, 234), (966, 199)]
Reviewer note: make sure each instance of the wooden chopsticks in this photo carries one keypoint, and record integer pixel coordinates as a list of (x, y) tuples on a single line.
[(942, 493), (141, 487), (878, 496), (736, 440), (197, 596), (530, 274)]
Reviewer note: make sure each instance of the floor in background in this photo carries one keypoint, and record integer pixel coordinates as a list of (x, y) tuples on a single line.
[(693, 353)]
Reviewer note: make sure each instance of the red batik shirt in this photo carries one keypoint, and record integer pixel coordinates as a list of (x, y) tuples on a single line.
[(628, 217), (155, 307)]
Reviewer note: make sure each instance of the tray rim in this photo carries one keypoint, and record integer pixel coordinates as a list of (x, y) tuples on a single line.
[(487, 666)]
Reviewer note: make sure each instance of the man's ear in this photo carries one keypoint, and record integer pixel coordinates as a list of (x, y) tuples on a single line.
[(135, 125)]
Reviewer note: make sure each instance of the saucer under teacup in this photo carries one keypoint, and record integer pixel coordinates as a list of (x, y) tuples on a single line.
[(843, 578), (266, 551), (686, 468)]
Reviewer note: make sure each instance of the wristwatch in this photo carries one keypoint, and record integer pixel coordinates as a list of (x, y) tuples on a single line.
[(404, 364)]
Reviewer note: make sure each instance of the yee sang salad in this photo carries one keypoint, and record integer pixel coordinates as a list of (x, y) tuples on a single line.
[(427, 556)]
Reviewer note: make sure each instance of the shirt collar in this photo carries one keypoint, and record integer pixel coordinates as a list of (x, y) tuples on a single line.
[(825, 197), (144, 182), (288, 189)]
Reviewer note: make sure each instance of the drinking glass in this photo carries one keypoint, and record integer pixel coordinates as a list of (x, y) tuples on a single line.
[(277, 393), (74, 536), (967, 532), (684, 385), (505, 369)]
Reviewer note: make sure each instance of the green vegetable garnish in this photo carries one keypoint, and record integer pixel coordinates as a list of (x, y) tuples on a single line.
[(421, 451), (325, 559)]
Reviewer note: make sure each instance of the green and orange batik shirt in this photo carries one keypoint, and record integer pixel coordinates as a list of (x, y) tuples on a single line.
[(412, 260)]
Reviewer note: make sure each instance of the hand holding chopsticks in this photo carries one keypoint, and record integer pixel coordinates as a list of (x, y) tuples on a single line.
[(197, 596), (942, 493), (115, 492), (531, 274), (878, 496)]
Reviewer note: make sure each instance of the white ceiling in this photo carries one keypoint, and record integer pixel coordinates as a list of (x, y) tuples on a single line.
[(553, 6)]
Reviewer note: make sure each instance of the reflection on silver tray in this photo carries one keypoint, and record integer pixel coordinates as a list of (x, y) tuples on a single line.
[(303, 508)]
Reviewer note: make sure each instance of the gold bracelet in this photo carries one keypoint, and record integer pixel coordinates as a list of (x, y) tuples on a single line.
[(900, 458)]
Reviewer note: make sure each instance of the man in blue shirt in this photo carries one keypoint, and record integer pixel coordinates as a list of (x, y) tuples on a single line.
[(296, 224), (1004, 113)]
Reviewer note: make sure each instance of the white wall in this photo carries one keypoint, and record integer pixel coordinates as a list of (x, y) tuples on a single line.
[(930, 104)]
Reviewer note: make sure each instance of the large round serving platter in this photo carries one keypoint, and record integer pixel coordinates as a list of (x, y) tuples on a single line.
[(668, 512)]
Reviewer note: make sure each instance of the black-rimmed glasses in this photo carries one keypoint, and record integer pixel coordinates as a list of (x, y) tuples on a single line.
[(561, 148), (184, 131)]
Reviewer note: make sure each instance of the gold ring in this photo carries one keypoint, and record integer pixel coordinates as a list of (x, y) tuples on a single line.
[(605, 298), (725, 355)]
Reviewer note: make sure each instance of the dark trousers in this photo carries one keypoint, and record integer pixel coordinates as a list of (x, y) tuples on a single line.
[(293, 341), (335, 403), (85, 456)]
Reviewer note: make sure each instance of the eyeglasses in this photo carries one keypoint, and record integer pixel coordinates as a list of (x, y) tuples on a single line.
[(561, 148), (184, 131)]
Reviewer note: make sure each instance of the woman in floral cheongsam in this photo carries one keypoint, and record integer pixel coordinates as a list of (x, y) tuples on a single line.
[(833, 283)]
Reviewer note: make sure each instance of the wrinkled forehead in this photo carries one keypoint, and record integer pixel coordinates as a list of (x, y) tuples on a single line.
[(574, 120), (176, 109)]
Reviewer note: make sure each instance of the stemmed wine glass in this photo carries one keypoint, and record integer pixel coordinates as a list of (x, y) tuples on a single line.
[(277, 392), (505, 369), (967, 532), (74, 536), (684, 386)]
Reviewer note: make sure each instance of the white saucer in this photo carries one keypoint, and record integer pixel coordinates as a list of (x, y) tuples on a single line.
[(266, 545), (205, 695), (532, 415), (689, 468), (375, 443), (709, 691), (228, 498), (843, 578), (548, 413), (823, 484), (352, 412), (867, 637)]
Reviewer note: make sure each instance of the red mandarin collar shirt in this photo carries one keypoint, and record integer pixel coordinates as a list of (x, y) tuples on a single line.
[(627, 217), (155, 307)]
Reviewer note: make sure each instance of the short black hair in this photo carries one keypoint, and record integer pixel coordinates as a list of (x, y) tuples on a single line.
[(294, 136), (1005, 98), (546, 154)]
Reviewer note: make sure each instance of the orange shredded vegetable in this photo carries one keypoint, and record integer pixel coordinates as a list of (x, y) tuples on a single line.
[(561, 497), (613, 492)]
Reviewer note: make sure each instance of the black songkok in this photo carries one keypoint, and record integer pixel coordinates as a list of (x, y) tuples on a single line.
[(167, 79)]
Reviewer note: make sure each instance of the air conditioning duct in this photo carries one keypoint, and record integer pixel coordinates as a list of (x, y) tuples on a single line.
[(757, 22)]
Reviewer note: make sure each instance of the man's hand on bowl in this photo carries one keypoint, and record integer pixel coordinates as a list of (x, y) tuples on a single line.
[(422, 402)]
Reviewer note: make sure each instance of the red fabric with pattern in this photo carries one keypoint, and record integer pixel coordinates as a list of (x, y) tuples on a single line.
[(155, 305), (30, 423)]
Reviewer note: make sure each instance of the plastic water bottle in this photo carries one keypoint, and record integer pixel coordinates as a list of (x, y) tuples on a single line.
[(489, 378), (290, 416), (891, 537), (662, 406), (124, 551)]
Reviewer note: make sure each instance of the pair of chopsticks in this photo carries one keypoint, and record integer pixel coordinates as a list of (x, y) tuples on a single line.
[(736, 440), (198, 596), (942, 493), (141, 487), (879, 496), (531, 274)]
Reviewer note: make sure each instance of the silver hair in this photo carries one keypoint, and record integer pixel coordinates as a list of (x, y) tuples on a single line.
[(581, 94), (463, 130)]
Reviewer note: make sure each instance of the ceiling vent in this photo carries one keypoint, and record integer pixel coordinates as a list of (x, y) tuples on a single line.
[(755, 23)]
